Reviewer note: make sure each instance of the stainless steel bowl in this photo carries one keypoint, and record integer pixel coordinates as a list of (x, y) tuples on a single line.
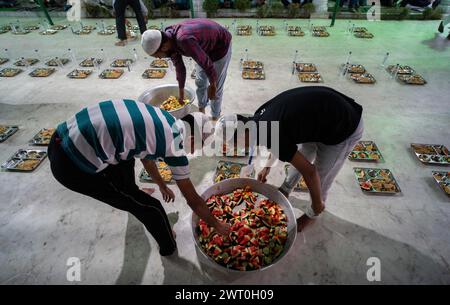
[(267, 190), (157, 95)]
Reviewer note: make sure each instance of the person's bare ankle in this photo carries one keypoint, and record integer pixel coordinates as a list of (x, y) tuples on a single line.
[(303, 221)]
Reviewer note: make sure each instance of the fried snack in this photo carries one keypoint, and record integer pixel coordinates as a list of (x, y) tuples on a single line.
[(305, 67), (251, 64), (9, 72), (415, 79), (3, 129), (79, 74), (111, 73), (27, 165), (310, 77), (172, 103), (252, 74), (159, 63), (353, 68), (42, 72), (154, 73), (365, 78)]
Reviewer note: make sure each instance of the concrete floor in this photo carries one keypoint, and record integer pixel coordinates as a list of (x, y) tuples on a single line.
[(42, 224)]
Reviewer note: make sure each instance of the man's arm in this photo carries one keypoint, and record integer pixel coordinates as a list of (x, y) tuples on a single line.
[(312, 180), (199, 206), (153, 172), (180, 70)]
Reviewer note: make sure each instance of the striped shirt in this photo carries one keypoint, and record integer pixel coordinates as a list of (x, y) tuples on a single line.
[(116, 130)]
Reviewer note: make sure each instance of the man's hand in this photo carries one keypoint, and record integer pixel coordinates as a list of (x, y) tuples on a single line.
[(223, 228), (212, 91), (262, 175), (167, 193), (318, 207), (181, 96)]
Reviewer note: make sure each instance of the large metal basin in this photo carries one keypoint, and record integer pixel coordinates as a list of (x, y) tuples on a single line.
[(157, 95), (269, 191)]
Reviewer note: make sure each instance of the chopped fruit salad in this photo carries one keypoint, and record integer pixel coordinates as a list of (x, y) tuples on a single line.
[(258, 230)]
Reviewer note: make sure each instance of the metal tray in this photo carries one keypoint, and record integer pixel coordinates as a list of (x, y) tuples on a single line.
[(89, 27), (26, 62), (354, 68), (310, 77), (319, 28), (293, 28), (25, 160), (443, 179), (21, 32), (154, 73), (435, 154), (42, 72), (366, 151), (54, 62), (89, 62), (82, 32), (159, 63), (320, 34), (42, 138), (364, 35), (301, 185), (79, 74), (253, 74), (59, 27), (359, 29), (163, 169), (401, 69), (121, 63), (48, 32), (305, 67), (31, 27), (3, 60), (253, 65), (414, 79), (229, 170), (7, 131), (9, 72), (364, 78), (113, 27), (106, 32), (244, 30), (111, 73), (368, 178), (296, 33)]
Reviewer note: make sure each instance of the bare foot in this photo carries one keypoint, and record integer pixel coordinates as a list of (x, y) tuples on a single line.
[(303, 222), (121, 43), (149, 191)]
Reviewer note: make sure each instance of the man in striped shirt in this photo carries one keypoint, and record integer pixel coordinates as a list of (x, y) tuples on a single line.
[(93, 153), (205, 41)]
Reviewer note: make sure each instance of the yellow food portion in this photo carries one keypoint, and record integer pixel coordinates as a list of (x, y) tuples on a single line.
[(27, 164), (172, 103), (3, 129)]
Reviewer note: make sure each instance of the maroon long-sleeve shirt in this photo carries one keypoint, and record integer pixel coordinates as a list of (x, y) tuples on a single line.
[(202, 39)]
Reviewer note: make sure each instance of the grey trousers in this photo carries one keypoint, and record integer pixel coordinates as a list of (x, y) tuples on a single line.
[(201, 80), (328, 160)]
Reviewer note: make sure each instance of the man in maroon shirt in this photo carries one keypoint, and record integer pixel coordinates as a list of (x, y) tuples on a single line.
[(208, 43)]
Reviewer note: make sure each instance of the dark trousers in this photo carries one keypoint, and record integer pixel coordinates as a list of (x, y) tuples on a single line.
[(115, 186), (120, 7)]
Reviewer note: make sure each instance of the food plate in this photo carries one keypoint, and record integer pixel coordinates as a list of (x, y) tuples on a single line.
[(159, 63), (436, 154), (42, 138), (305, 67), (310, 77), (154, 73), (365, 151), (364, 78), (82, 32), (89, 62), (301, 185), (26, 62), (364, 35), (7, 131), (121, 63), (10, 72), (376, 181), (265, 30), (319, 28), (258, 226), (54, 62), (359, 29), (252, 64), (354, 68), (415, 79), (89, 27), (229, 170), (320, 34), (59, 27), (443, 179), (113, 27), (42, 72), (25, 160), (244, 30), (31, 28), (79, 74), (293, 28), (111, 73), (296, 33), (253, 74), (48, 32), (172, 103), (3, 60), (20, 32), (163, 169), (106, 32), (401, 69)]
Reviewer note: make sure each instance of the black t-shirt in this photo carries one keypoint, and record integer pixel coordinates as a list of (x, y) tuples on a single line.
[(308, 114)]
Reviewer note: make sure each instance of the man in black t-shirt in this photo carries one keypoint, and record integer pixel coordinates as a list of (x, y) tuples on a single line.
[(317, 129)]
